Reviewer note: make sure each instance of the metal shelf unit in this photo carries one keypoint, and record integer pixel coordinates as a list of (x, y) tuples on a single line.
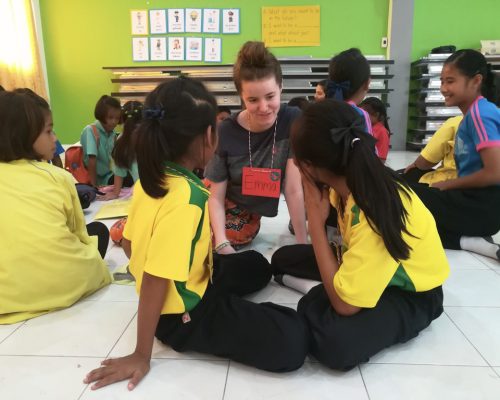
[(300, 76)]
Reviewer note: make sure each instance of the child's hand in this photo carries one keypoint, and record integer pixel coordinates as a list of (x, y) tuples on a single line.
[(410, 167), (134, 366), (443, 185), (108, 196), (316, 200)]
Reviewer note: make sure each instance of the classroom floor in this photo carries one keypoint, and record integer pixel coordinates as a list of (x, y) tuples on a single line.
[(457, 357)]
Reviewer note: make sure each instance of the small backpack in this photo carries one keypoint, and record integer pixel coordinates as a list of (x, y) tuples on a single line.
[(86, 194), (73, 160)]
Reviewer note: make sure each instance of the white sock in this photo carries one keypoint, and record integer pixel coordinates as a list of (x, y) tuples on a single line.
[(299, 284), (481, 245)]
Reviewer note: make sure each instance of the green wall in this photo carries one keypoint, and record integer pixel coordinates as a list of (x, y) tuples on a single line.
[(82, 36), (462, 23)]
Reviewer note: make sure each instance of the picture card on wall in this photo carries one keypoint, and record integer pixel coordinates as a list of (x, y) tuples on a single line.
[(231, 20), (213, 50), (193, 20), (176, 49), (211, 20), (140, 49), (193, 49), (158, 46), (158, 21), (176, 20), (139, 21)]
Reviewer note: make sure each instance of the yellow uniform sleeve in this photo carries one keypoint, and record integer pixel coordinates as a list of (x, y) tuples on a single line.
[(355, 282), (171, 247), (438, 147)]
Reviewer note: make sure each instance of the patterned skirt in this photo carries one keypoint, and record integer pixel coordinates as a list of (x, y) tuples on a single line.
[(241, 225)]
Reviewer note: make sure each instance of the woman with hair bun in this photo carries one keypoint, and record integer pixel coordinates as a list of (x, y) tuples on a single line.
[(253, 157)]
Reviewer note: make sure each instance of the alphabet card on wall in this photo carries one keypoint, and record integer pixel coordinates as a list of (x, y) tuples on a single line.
[(140, 49), (231, 20), (193, 49), (158, 21), (211, 20), (193, 20), (213, 50), (176, 49), (158, 46), (176, 20), (139, 21)]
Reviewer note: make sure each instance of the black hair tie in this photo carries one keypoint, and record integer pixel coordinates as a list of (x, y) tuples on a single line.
[(153, 113)]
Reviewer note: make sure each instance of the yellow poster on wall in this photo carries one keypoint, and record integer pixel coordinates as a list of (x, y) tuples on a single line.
[(291, 26)]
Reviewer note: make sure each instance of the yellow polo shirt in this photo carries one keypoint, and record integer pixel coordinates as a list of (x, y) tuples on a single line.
[(367, 268), (47, 259), (441, 148), (171, 238)]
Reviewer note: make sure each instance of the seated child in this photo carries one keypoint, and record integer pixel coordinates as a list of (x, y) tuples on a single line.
[(124, 162), (380, 127), (187, 300), (48, 260), (383, 285), (97, 154), (440, 149)]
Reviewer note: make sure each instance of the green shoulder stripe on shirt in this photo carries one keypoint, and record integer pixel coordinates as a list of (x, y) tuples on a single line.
[(189, 298), (198, 198), (401, 280), (355, 215)]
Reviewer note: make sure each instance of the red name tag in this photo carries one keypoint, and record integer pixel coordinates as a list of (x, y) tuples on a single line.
[(262, 182)]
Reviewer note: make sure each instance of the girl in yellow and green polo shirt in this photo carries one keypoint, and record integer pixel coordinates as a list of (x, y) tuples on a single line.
[(383, 285), (186, 299)]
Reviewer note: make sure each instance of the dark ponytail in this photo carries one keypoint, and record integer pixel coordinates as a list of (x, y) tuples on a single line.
[(470, 63), (329, 134), (347, 73), (174, 114), (124, 151)]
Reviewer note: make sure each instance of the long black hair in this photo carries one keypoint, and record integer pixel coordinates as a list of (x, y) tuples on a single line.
[(329, 135), (373, 105), (347, 73), (175, 113), (470, 63), (124, 151)]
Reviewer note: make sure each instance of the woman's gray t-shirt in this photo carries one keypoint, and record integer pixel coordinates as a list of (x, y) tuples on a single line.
[(232, 155)]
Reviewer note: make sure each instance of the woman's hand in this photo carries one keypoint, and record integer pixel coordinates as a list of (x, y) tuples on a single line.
[(227, 250), (134, 366)]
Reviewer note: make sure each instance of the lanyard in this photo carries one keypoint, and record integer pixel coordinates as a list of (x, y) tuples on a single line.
[(274, 143)]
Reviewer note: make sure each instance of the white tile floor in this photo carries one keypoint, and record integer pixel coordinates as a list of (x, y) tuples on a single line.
[(457, 357)]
